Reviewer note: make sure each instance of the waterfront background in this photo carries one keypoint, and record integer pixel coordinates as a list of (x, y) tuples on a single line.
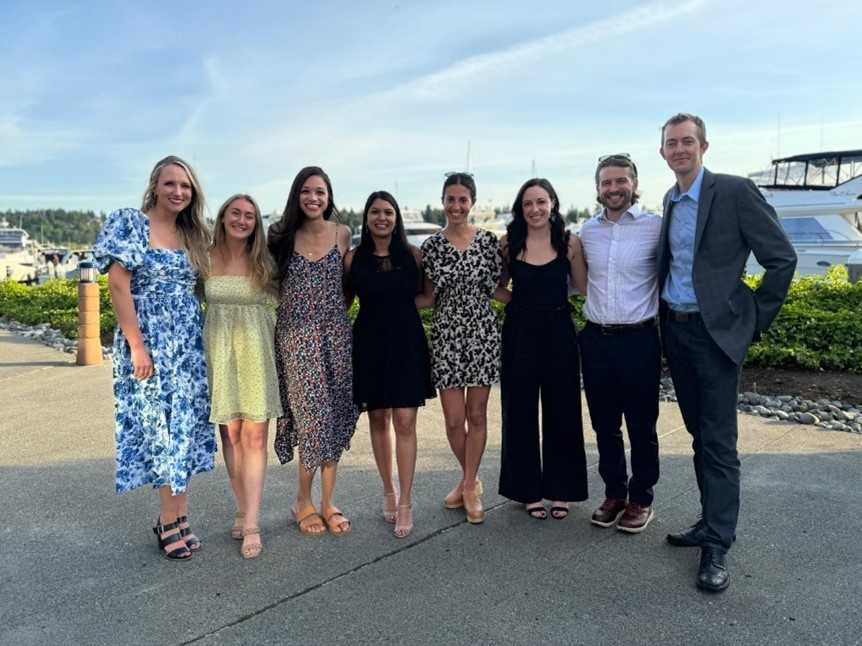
[(391, 95)]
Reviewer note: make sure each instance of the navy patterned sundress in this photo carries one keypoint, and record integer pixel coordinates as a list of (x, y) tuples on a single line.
[(313, 358), (163, 432)]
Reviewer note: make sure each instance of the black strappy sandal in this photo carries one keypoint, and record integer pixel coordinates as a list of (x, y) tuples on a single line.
[(179, 554), (195, 543)]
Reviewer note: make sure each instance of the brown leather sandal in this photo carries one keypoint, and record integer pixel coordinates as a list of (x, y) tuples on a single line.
[(251, 551)]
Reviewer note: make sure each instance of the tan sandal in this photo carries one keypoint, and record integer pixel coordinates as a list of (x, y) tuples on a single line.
[(455, 500), (402, 530), (251, 551), (334, 524), (474, 509), (390, 515), (236, 530), (306, 518)]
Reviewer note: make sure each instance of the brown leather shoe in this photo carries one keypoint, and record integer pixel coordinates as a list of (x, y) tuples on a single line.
[(635, 519), (608, 513)]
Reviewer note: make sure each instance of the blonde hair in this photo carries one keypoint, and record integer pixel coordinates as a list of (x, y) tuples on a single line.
[(259, 260), (192, 231)]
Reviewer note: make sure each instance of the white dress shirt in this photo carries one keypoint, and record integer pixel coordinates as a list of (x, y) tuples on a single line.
[(622, 267)]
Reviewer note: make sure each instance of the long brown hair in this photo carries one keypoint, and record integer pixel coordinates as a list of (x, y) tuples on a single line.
[(192, 231), (282, 234), (516, 231), (259, 260)]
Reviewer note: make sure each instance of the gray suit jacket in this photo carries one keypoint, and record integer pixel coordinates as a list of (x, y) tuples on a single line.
[(733, 219)]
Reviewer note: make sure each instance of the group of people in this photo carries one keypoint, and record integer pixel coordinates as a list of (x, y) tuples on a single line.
[(276, 343)]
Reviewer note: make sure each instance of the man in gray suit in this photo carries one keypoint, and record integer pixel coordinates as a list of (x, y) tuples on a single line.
[(710, 317)]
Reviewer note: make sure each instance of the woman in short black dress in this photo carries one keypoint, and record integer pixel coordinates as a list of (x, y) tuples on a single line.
[(391, 366)]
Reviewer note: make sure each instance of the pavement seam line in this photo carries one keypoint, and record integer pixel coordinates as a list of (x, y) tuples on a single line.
[(316, 586)]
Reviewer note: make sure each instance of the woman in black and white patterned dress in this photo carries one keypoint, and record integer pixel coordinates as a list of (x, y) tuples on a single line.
[(463, 266)]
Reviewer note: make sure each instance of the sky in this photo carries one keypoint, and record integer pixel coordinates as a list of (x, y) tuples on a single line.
[(392, 95)]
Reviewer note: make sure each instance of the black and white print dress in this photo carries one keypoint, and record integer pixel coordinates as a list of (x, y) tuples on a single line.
[(465, 333)]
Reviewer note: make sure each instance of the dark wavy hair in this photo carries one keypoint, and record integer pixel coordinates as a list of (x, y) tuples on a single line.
[(516, 231), (282, 234), (399, 248)]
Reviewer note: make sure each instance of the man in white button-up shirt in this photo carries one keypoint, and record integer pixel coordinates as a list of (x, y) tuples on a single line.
[(620, 346)]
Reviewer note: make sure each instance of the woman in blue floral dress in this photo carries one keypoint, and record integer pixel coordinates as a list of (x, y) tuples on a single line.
[(153, 258)]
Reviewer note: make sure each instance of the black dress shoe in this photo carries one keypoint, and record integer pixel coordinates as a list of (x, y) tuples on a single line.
[(688, 538), (712, 575)]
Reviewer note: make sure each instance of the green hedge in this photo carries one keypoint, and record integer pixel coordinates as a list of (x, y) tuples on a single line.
[(54, 302), (819, 327)]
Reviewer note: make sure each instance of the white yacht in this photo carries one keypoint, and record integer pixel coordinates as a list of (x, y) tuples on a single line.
[(60, 262), (17, 258), (818, 198), (416, 228)]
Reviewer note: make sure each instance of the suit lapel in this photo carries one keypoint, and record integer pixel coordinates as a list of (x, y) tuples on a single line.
[(663, 245), (704, 205)]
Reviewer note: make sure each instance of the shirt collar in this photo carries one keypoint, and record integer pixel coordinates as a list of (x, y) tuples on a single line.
[(634, 210), (693, 192)]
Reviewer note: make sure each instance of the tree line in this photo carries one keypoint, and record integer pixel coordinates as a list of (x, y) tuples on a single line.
[(77, 229)]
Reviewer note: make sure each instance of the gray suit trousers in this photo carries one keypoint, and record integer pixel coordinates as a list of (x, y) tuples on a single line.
[(706, 383)]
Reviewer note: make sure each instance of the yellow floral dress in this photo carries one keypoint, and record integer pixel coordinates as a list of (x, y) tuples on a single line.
[(239, 339)]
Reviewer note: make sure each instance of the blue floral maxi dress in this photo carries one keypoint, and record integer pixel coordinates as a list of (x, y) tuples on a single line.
[(313, 358), (163, 432)]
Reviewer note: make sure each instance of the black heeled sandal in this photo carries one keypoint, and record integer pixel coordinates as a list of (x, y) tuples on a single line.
[(195, 543), (179, 554)]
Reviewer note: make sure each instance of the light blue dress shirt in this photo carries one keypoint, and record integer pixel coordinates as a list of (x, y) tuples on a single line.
[(678, 290)]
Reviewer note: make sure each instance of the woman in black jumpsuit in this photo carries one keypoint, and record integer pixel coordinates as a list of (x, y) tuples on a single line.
[(540, 358)]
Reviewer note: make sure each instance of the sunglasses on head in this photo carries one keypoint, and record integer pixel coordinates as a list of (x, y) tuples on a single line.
[(457, 172), (615, 156)]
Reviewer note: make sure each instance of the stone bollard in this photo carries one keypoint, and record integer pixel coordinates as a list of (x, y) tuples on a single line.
[(89, 340), (854, 266)]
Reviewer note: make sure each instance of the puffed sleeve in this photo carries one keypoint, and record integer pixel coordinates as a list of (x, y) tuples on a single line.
[(123, 239)]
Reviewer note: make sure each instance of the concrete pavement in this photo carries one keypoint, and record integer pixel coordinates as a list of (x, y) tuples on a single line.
[(79, 565)]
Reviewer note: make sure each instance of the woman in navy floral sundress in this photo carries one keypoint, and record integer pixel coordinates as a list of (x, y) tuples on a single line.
[(153, 258), (313, 346)]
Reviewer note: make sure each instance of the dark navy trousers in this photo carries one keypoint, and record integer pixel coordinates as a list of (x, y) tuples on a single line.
[(621, 380)]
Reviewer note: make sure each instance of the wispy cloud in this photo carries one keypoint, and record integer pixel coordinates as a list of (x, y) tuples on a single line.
[(463, 73)]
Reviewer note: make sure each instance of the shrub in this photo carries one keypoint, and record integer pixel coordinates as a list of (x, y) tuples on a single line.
[(54, 302), (817, 329)]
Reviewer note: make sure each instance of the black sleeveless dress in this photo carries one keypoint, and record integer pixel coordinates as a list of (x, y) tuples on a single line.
[(391, 362), (540, 360)]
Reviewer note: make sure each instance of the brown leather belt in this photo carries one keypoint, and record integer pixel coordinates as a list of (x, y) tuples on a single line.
[(622, 328), (683, 317)]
